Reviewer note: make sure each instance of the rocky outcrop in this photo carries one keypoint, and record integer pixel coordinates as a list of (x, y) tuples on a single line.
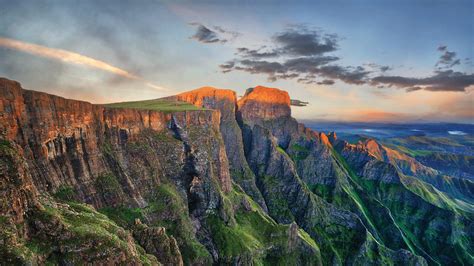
[(36, 229), (226, 102), (155, 241), (264, 103), (212, 98)]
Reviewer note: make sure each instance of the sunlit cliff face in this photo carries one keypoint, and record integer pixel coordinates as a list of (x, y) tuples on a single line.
[(264, 103)]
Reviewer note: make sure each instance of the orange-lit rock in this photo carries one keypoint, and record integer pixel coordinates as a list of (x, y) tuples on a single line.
[(324, 139), (211, 98), (66, 138), (374, 149), (264, 103), (199, 96)]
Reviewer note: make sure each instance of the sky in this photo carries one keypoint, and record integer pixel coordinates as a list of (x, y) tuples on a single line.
[(395, 61)]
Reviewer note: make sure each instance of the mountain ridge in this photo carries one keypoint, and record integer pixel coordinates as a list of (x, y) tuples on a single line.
[(223, 170)]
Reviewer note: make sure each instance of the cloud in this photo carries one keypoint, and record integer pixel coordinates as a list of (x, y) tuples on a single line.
[(443, 78), (296, 102), (351, 75), (308, 64), (261, 67), (447, 80), (447, 59), (70, 58), (306, 55), (252, 53), (233, 34), (218, 35), (311, 68), (326, 82), (205, 35), (301, 41), (377, 67), (298, 53), (227, 67)]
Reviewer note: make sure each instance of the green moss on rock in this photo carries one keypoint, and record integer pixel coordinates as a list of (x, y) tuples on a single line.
[(255, 238), (169, 210)]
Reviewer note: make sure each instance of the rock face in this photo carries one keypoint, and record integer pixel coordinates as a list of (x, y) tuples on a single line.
[(240, 182), (212, 98), (67, 139), (264, 103), (168, 169), (155, 241), (272, 146), (38, 230), (226, 102)]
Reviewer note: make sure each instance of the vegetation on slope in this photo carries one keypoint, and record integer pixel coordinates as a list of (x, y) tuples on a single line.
[(256, 238), (57, 232), (427, 218), (163, 105)]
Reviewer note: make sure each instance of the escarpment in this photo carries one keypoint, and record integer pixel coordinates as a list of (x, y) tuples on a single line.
[(226, 102), (229, 181), (144, 170), (69, 141)]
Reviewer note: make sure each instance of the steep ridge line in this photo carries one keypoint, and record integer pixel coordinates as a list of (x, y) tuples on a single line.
[(252, 143)]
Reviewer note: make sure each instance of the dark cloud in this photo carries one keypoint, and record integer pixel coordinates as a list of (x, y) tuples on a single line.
[(447, 59), (351, 75), (283, 76), (300, 41), (304, 55), (448, 80), (295, 41), (298, 53), (385, 68), (311, 68), (217, 35), (296, 102), (379, 68), (233, 34), (308, 64), (227, 67), (262, 67), (443, 78), (252, 53), (205, 35), (326, 82)]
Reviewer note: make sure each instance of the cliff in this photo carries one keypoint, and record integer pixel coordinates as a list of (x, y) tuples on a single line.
[(215, 180), (160, 169), (264, 103)]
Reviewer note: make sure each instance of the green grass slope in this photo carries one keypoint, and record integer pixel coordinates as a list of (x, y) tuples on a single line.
[(163, 105)]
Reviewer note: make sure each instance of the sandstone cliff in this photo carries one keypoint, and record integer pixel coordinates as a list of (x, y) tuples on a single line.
[(163, 169), (235, 182)]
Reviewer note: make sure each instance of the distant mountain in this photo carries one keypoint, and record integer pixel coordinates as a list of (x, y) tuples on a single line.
[(202, 178)]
